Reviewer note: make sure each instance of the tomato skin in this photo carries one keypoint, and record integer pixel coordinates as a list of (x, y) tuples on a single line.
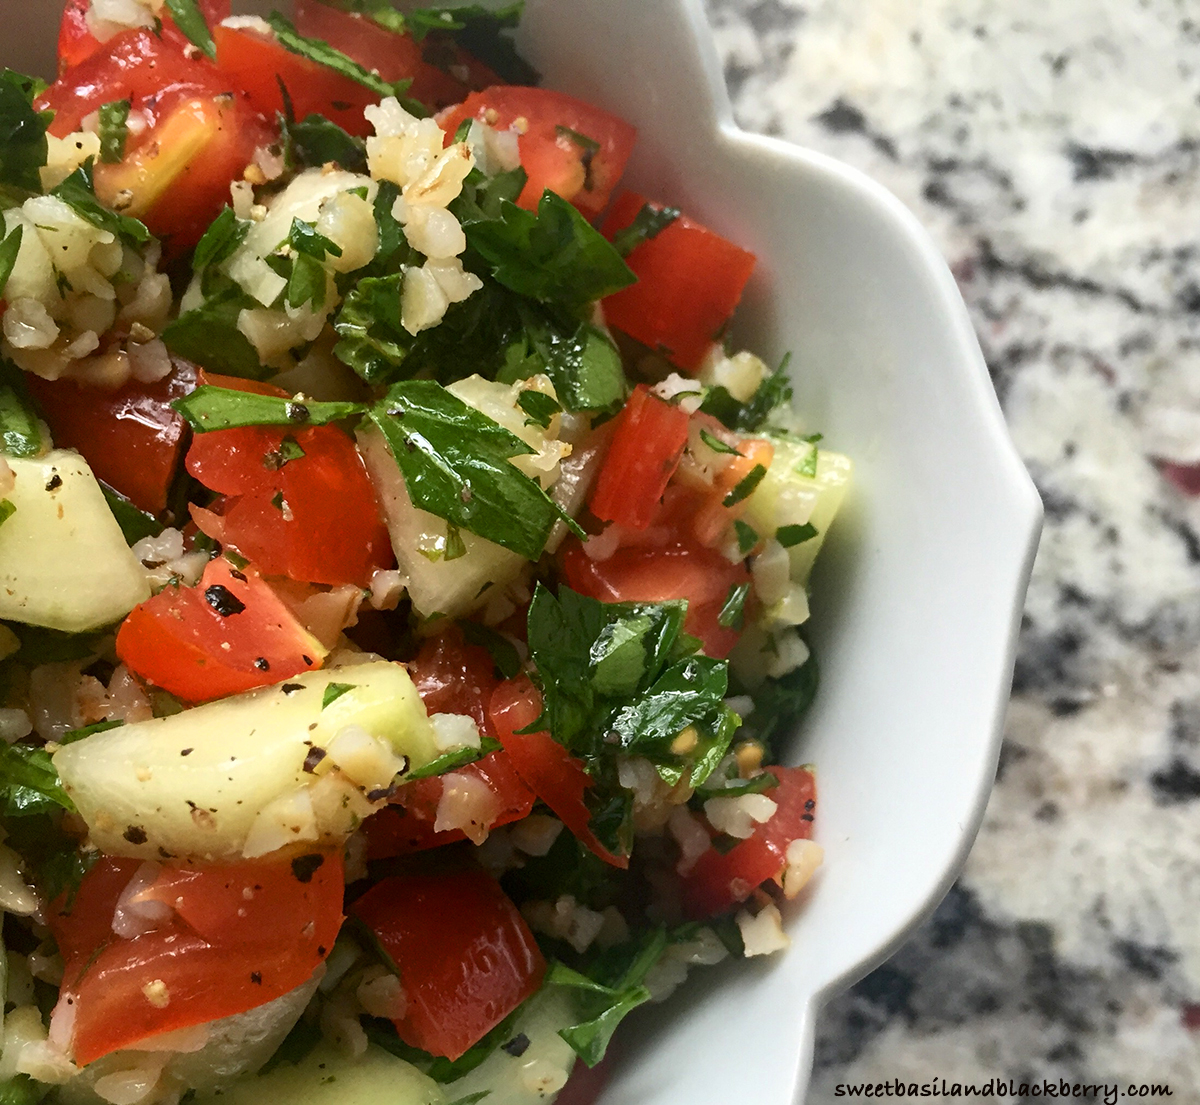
[(76, 43), (690, 281), (179, 641), (314, 519), (719, 882), (220, 952), (395, 56), (554, 775), (676, 567), (256, 63), (645, 452), (549, 156), (131, 437), (199, 133), (453, 677), (465, 955), (408, 825)]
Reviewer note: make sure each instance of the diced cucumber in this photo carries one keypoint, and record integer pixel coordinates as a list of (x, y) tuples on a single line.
[(249, 774), (786, 497), (326, 1077), (64, 563), (435, 585), (456, 586)]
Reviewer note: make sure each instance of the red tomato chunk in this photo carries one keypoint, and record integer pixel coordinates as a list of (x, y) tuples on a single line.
[(576, 150), (719, 882), (690, 280), (299, 503), (232, 938), (554, 775), (465, 955), (645, 451), (229, 634), (131, 437)]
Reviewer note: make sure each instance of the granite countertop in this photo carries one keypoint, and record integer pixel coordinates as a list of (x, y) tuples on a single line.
[(1052, 147)]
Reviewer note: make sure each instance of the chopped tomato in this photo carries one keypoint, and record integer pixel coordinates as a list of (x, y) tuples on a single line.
[(719, 881), (256, 63), (230, 633), (711, 521), (428, 64), (76, 43), (649, 440), (231, 938), (690, 280), (465, 955), (298, 501), (574, 149), (453, 677), (409, 824), (555, 776), (668, 563), (131, 437), (190, 134)]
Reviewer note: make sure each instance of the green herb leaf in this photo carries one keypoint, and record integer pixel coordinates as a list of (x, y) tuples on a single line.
[(580, 360), (789, 536), (135, 524), (648, 223), (606, 1006), (808, 466), (114, 131), (316, 141), (22, 1090), (780, 703), (717, 445), (221, 239), (7, 510), (307, 283), (691, 692), (190, 20), (28, 782), (373, 340), (79, 192), (539, 406), (735, 788), (775, 391), (453, 760), (592, 656), (455, 462), (9, 248), (73, 735), (747, 536), (214, 408), (23, 145), (20, 429), (553, 256), (209, 335), (304, 238), (733, 612), (746, 485), (323, 54), (334, 691)]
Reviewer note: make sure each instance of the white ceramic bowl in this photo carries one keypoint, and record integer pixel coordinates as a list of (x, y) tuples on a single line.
[(917, 599), (918, 596)]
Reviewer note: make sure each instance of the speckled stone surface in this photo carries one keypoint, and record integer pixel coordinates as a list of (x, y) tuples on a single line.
[(1052, 147)]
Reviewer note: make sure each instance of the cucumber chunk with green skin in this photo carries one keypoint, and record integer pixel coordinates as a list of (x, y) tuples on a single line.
[(64, 563), (327, 1077), (531, 1071), (789, 497), (247, 775)]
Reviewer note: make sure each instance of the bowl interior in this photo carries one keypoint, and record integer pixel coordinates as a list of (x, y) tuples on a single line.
[(917, 596)]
